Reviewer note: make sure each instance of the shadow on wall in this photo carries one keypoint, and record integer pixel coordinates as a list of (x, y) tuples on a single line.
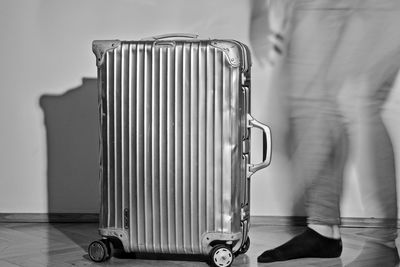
[(71, 121)]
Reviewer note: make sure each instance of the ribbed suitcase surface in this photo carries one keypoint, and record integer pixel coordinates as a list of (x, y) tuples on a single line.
[(174, 143)]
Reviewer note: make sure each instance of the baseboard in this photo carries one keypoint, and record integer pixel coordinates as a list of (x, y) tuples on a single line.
[(49, 217), (349, 222), (255, 220)]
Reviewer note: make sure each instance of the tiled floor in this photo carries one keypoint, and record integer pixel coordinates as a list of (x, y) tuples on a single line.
[(42, 244)]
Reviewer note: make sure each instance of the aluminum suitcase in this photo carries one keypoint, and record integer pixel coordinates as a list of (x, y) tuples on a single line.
[(175, 147)]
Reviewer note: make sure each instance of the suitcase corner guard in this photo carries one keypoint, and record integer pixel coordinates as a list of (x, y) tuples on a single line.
[(209, 239), (230, 49), (100, 47), (122, 235)]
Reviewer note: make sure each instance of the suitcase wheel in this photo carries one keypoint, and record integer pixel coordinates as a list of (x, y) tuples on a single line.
[(244, 248), (99, 250), (221, 256)]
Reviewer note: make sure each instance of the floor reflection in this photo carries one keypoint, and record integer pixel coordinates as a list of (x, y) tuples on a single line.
[(43, 244), (377, 248)]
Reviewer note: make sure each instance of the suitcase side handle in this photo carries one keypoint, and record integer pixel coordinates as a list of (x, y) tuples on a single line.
[(171, 35), (267, 145)]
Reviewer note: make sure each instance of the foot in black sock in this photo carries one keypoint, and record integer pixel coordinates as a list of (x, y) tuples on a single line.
[(309, 244)]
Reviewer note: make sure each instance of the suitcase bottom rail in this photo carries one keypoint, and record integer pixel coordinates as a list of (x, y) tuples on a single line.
[(219, 248)]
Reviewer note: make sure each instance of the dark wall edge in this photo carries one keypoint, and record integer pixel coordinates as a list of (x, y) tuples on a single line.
[(49, 217)]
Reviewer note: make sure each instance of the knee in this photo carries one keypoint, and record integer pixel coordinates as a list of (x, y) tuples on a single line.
[(357, 102)]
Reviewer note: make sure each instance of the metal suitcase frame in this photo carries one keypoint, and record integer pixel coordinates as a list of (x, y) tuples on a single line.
[(175, 147)]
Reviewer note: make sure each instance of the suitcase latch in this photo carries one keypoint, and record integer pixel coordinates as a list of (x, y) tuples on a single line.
[(245, 213)]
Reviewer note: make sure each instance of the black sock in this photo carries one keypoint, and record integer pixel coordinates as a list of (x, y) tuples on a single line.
[(309, 244)]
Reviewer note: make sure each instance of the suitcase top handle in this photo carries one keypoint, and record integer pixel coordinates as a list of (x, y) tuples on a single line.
[(171, 35)]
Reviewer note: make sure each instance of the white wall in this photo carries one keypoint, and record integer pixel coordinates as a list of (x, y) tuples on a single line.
[(48, 112)]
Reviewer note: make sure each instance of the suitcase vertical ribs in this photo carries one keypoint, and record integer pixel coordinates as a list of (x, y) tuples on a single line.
[(171, 146)]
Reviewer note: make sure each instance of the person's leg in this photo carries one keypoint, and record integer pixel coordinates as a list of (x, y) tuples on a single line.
[(319, 158), (371, 34), (375, 161), (373, 149), (320, 155), (376, 169), (373, 45), (316, 132), (323, 202)]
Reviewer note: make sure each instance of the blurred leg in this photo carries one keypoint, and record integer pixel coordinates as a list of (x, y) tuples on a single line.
[(373, 150), (376, 160), (370, 52), (317, 132), (323, 202)]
